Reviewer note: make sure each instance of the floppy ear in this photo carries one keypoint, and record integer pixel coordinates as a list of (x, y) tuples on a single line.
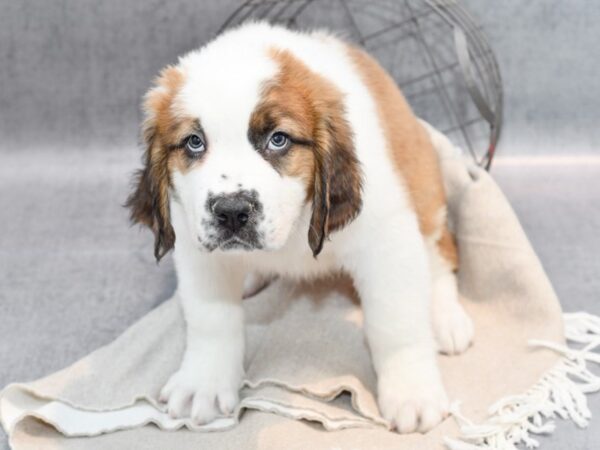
[(337, 182), (149, 202)]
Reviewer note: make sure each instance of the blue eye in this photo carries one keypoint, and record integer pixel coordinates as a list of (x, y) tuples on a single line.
[(195, 145), (279, 141)]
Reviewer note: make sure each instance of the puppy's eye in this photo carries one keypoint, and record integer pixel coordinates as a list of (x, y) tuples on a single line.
[(195, 145), (279, 141)]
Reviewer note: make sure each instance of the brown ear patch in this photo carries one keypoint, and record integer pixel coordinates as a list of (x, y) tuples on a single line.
[(337, 197), (311, 109), (411, 151), (149, 202)]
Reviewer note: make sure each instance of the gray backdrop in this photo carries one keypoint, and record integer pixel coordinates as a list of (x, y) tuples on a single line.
[(73, 275), (74, 70)]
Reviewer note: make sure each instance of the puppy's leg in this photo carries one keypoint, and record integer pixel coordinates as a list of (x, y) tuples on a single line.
[(208, 380), (392, 277), (452, 326)]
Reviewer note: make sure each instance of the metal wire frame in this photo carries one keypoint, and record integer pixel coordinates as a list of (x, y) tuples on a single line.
[(419, 21)]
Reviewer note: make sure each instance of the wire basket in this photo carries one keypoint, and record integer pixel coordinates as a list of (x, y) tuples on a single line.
[(434, 49)]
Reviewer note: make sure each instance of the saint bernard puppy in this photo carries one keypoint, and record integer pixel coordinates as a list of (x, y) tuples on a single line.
[(275, 152)]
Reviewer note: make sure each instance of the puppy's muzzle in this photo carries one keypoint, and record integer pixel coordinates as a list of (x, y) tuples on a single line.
[(232, 212)]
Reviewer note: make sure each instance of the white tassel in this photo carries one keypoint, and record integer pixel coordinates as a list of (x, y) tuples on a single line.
[(560, 392)]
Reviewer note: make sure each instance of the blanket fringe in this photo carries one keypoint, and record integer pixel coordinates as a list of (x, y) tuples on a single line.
[(561, 392)]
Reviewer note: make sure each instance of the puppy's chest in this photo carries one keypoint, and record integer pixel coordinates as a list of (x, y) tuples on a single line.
[(296, 261)]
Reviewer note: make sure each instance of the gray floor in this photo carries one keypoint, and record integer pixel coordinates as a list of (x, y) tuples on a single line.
[(74, 274)]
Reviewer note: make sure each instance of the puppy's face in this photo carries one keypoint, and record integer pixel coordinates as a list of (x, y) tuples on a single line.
[(243, 149)]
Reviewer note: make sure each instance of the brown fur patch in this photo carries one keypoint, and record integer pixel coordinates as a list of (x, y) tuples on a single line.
[(149, 202), (447, 247), (411, 151), (310, 109), (169, 128)]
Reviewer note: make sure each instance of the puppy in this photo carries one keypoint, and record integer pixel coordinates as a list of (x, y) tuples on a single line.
[(274, 152)]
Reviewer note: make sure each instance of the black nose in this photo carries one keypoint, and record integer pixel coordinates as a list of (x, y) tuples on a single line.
[(232, 212)]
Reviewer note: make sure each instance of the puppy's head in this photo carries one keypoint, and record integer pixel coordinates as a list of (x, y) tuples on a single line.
[(244, 143)]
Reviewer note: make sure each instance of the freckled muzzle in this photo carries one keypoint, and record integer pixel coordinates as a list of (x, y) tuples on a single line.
[(234, 220)]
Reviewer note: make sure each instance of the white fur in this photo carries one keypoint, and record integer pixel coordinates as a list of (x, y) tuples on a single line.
[(382, 248)]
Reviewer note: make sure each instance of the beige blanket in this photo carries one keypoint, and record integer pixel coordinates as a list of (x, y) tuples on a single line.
[(309, 381)]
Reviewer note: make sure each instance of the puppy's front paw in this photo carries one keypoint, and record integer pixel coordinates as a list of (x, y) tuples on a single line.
[(412, 401), (192, 392)]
